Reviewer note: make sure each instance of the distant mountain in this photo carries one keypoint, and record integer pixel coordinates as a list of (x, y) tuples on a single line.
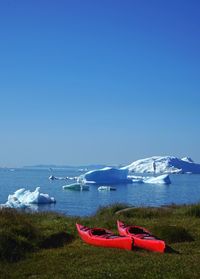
[(166, 164), (81, 167)]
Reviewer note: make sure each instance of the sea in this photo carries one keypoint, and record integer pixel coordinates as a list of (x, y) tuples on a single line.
[(184, 189)]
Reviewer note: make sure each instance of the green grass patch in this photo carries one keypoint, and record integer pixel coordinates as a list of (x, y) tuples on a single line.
[(172, 233), (47, 245), (17, 235), (22, 233), (146, 212), (193, 210)]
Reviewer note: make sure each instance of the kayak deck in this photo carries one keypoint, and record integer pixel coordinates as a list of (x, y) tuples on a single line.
[(103, 237)]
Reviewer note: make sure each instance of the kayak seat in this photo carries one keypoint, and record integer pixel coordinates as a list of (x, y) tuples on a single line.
[(100, 232), (135, 230)]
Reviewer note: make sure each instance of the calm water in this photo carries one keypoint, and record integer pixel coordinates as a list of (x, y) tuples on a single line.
[(184, 189)]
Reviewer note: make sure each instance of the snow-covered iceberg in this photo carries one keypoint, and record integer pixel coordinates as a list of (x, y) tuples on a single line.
[(165, 164), (107, 175), (23, 198), (111, 176)]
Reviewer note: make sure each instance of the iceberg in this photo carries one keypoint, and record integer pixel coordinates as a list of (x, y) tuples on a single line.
[(23, 198), (161, 179), (111, 176), (165, 164), (13, 202), (107, 175)]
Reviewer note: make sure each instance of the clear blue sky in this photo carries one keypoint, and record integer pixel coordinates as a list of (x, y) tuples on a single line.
[(98, 81)]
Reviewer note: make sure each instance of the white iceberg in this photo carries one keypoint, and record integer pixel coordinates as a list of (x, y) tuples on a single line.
[(24, 198), (13, 202), (111, 176), (107, 175), (165, 164)]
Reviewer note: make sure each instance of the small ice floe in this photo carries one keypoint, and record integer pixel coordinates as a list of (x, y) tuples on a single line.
[(106, 188), (25, 198), (52, 177), (83, 170), (72, 178), (76, 187)]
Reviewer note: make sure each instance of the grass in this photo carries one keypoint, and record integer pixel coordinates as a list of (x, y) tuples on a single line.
[(46, 245), (194, 210)]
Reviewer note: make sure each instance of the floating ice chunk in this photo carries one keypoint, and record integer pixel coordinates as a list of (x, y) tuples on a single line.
[(28, 197), (76, 187), (24, 198), (38, 198), (106, 188), (72, 178), (106, 175), (52, 177), (13, 202)]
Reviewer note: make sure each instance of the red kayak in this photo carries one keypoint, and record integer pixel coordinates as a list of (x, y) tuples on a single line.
[(141, 237), (104, 238)]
